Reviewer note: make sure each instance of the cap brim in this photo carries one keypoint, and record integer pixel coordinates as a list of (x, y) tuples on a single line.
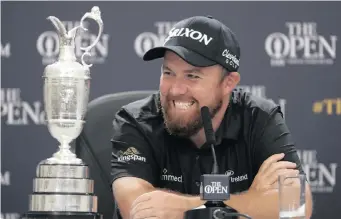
[(189, 56)]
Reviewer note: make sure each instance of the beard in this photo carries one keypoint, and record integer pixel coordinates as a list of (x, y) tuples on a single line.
[(186, 125)]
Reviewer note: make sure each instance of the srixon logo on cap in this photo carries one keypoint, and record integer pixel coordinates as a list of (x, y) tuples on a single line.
[(189, 33), (215, 187)]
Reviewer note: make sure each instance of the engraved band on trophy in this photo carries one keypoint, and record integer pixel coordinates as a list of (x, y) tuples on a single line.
[(62, 187)]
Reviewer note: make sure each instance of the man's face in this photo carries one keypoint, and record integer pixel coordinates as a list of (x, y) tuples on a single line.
[(184, 89)]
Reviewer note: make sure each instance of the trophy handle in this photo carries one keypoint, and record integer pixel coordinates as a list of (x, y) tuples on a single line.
[(96, 15)]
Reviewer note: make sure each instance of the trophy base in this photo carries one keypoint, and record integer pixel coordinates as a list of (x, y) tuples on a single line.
[(61, 215)]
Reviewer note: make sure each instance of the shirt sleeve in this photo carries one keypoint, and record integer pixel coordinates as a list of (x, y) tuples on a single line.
[(132, 154), (274, 137)]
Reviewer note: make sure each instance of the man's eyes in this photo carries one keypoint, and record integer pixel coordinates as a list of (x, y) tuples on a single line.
[(191, 76)]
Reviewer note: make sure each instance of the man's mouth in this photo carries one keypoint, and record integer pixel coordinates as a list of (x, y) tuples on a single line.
[(183, 105)]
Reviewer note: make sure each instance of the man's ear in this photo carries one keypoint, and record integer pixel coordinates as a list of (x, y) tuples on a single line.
[(230, 82)]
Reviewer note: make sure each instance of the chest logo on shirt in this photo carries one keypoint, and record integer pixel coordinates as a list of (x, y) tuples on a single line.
[(234, 178), (130, 154), (169, 177)]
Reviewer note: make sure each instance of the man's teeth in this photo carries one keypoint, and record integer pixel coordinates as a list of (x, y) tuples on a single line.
[(183, 105)]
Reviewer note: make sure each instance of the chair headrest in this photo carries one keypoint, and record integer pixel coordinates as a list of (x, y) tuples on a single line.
[(93, 145)]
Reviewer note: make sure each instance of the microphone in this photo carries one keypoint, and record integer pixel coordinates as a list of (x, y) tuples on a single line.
[(210, 136), (215, 187)]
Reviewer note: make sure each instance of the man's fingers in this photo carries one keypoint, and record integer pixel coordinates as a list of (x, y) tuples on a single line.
[(287, 172), (272, 159), (144, 213), (139, 207), (291, 181), (278, 166), (139, 203), (142, 198)]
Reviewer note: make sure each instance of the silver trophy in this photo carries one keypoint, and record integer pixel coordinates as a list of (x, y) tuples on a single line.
[(62, 185)]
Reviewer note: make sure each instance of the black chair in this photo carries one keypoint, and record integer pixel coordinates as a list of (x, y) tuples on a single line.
[(93, 145)]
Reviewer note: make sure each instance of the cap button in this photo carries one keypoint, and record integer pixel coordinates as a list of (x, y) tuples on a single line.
[(209, 16)]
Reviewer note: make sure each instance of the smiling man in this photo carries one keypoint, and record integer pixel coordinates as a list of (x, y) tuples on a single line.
[(159, 146)]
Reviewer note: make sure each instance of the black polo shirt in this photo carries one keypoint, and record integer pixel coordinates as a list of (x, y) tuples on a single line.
[(252, 130)]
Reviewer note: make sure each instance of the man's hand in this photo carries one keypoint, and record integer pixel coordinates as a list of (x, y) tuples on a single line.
[(159, 204), (267, 176)]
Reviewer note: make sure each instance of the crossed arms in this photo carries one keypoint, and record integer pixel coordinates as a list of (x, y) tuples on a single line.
[(138, 198)]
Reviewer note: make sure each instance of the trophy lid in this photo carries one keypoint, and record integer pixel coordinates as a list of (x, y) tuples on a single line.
[(67, 64)]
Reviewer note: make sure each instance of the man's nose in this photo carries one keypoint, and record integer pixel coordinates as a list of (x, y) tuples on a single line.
[(178, 88)]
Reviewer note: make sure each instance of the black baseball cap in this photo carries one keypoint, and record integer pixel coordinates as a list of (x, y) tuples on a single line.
[(201, 41)]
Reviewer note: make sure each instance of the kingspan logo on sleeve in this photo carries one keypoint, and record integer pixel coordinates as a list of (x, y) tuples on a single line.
[(130, 154)]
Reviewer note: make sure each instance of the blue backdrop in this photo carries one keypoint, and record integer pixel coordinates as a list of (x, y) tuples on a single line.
[(289, 54)]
